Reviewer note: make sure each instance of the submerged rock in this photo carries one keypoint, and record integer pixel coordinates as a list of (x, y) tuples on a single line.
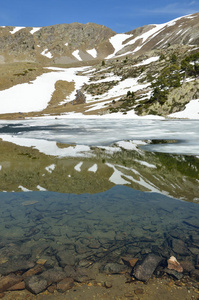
[(145, 270), (179, 247), (173, 264), (66, 258), (65, 285), (36, 284), (174, 273), (15, 265), (9, 281), (53, 276), (83, 275), (114, 268)]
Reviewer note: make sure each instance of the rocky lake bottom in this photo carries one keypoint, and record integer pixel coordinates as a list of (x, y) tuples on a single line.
[(53, 240)]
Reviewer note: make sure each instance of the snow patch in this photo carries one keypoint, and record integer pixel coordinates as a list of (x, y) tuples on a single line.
[(41, 189), (144, 163), (116, 177), (66, 44), (35, 29), (92, 52), (34, 96), (50, 168), (191, 111), (76, 55), (93, 168), (78, 166), (24, 189), (47, 53), (147, 61), (117, 42), (16, 29)]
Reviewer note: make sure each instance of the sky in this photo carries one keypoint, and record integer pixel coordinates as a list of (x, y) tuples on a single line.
[(119, 15)]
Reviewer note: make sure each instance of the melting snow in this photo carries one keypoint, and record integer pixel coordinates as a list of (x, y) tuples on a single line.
[(92, 52), (76, 55)]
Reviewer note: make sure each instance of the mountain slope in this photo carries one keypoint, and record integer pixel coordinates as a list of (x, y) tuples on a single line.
[(68, 43), (150, 70)]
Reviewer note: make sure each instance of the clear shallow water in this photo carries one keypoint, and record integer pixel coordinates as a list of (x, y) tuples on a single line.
[(77, 230), (98, 132)]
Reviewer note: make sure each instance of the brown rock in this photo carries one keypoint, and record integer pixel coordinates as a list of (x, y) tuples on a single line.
[(36, 270), (2, 295), (65, 285), (41, 261), (8, 281), (129, 261), (173, 264), (18, 287)]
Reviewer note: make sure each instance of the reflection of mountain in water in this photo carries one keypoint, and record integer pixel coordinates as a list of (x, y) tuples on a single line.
[(100, 169)]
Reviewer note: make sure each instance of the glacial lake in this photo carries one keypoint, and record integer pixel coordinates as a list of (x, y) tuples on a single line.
[(78, 192)]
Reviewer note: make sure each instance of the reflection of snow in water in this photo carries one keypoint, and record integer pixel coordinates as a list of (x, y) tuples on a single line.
[(93, 168), (78, 166)]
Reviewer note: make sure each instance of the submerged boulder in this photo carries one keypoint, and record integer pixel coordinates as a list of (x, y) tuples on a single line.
[(146, 268)]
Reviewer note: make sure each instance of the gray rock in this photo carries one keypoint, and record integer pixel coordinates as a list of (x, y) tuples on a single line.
[(145, 270), (79, 98), (70, 271), (179, 247), (83, 275), (114, 268), (174, 273), (36, 284), (53, 276), (66, 258), (13, 266)]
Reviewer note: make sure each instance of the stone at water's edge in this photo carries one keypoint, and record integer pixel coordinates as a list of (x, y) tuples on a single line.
[(145, 270)]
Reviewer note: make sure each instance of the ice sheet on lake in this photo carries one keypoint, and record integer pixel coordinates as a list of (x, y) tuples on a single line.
[(43, 134)]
